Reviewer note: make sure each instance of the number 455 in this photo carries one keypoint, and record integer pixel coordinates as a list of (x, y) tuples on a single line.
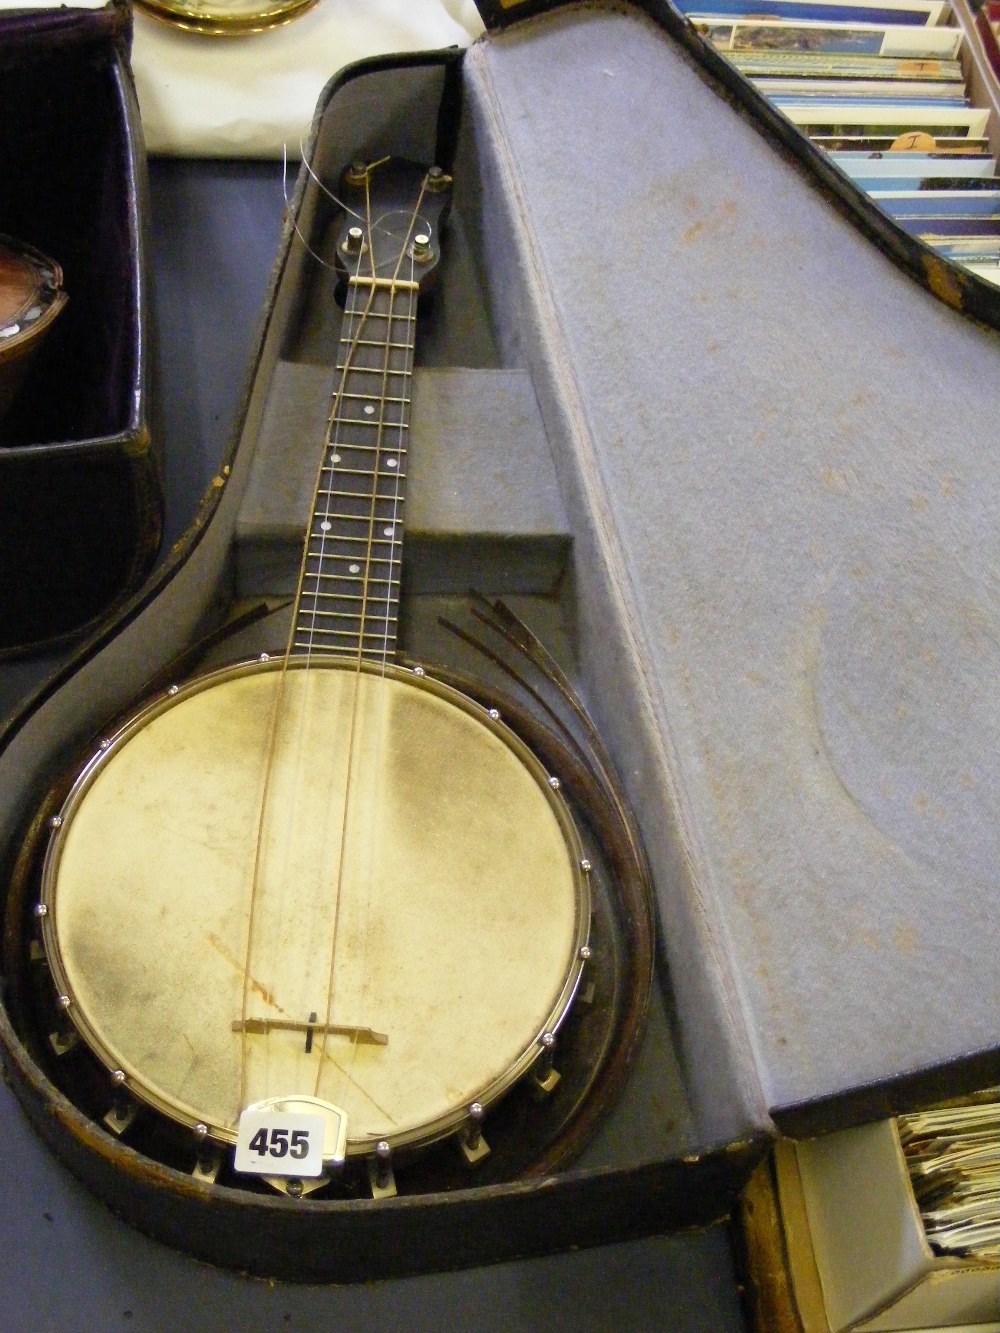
[(280, 1143)]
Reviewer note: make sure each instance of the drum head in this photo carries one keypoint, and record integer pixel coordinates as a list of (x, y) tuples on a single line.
[(351, 885)]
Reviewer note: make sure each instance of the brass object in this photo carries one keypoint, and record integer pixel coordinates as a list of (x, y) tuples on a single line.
[(225, 18)]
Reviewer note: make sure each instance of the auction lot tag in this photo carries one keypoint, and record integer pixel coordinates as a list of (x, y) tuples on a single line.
[(279, 1143)]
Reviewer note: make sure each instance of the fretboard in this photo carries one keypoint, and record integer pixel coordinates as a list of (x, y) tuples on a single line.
[(348, 597)]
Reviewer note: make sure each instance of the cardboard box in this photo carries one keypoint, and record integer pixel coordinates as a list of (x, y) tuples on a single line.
[(858, 1255)]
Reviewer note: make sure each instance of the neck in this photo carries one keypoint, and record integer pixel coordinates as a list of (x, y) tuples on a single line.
[(348, 595)]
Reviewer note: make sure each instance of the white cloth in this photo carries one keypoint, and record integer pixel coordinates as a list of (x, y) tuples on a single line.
[(254, 95)]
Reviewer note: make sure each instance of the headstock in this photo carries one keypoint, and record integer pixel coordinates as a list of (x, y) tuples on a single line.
[(395, 213)]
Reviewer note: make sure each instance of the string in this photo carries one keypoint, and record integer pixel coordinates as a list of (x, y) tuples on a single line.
[(278, 711), (394, 544), (357, 319)]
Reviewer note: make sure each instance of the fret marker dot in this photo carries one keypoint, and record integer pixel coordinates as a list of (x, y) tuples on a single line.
[(355, 569), (335, 458), (369, 410), (389, 530), (325, 526), (390, 462)]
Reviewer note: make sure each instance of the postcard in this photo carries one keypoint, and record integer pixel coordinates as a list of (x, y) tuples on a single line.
[(868, 89), (819, 38), (928, 12), (929, 229), (898, 185), (866, 119), (902, 147), (826, 65), (939, 203), (914, 166), (978, 249)]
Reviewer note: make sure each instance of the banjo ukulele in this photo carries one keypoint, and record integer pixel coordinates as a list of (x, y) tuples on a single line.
[(321, 908)]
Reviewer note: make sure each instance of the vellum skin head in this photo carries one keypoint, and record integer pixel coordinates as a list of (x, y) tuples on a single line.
[(355, 850)]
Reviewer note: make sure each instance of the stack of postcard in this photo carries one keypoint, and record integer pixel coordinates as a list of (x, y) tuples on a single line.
[(881, 86), (953, 1157)]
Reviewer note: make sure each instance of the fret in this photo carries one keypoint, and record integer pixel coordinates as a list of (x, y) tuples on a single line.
[(380, 616), (356, 574), (364, 491), (349, 620), (321, 583), (318, 596), (392, 496), (370, 542), (323, 557), (375, 342), (325, 552), (359, 523), (330, 631), (381, 651), (371, 421), (333, 538), (378, 509), (354, 579), (387, 451), (331, 555), (366, 517), (370, 472), (370, 475), (330, 493), (378, 643), (387, 584), (356, 368), (365, 368), (381, 589), (374, 313), (382, 398)]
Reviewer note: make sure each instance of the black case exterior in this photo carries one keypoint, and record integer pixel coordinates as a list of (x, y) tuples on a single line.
[(80, 493)]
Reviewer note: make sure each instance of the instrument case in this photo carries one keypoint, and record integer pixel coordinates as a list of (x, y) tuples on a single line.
[(80, 490), (761, 505)]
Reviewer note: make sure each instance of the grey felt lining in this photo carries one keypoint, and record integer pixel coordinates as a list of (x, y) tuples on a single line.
[(481, 490), (778, 455)]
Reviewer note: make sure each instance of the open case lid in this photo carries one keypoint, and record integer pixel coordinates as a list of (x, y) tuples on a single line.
[(779, 452)]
